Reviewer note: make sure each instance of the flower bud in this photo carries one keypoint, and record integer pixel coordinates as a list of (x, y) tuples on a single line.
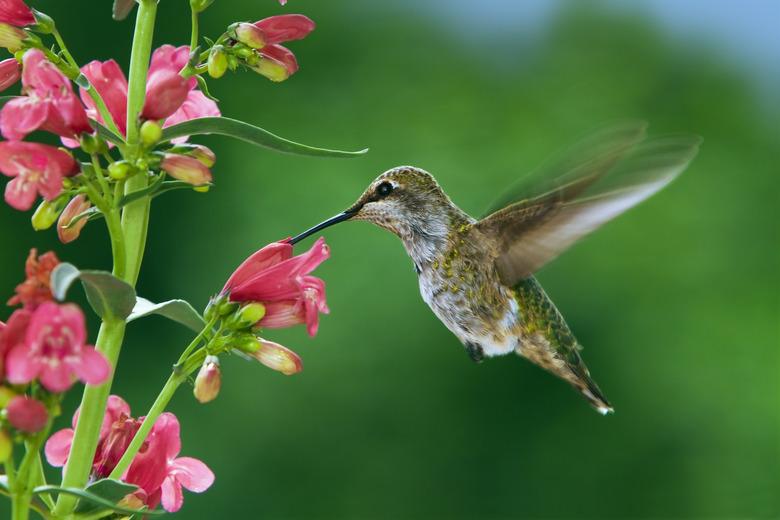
[(217, 62), (248, 315), (119, 170), (271, 69), (10, 72), (6, 445), (277, 357), (187, 169), (248, 34), (232, 62), (198, 6), (208, 380), (47, 212), (225, 308), (151, 133), (90, 143), (26, 414), (67, 230), (12, 38), (6, 394), (43, 22)]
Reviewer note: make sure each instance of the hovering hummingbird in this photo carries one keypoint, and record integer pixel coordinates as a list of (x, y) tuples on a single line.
[(477, 275)]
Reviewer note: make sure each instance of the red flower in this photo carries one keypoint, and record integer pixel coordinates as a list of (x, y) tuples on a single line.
[(36, 288), (280, 281), (50, 103), (10, 72), (26, 414), (16, 12), (54, 351), (36, 168), (279, 62), (168, 95)]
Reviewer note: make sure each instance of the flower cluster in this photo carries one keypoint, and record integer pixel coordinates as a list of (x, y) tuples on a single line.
[(157, 469), (43, 342)]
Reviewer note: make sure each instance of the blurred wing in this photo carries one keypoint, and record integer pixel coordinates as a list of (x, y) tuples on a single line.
[(622, 172)]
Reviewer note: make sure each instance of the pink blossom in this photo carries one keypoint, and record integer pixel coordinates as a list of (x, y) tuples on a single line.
[(279, 62), (11, 335), (66, 231), (54, 351), (36, 288), (166, 90), (10, 72), (26, 414), (15, 12), (280, 281), (161, 473), (36, 168), (50, 103), (110, 82)]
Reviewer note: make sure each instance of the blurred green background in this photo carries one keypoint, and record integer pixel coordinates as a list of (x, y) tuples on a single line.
[(676, 302)]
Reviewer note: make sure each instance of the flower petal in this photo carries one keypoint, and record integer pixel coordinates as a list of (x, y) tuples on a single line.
[(266, 257), (22, 115), (21, 368), (20, 194), (193, 474), (172, 497), (56, 378), (57, 447), (93, 368)]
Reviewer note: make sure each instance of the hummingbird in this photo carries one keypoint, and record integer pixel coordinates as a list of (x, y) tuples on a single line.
[(477, 276)]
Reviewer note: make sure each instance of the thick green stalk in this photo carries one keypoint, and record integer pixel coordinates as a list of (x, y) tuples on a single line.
[(135, 218)]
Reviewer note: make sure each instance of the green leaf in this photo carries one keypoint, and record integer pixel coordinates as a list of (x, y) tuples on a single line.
[(251, 134), (95, 499), (109, 296), (179, 311), (139, 194), (122, 8), (107, 134), (108, 489)]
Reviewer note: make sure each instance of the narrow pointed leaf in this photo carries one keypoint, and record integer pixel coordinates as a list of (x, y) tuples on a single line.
[(179, 311), (95, 499), (108, 489), (108, 296), (106, 134), (251, 134), (122, 8)]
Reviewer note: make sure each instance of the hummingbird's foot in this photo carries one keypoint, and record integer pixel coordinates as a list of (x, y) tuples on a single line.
[(475, 352)]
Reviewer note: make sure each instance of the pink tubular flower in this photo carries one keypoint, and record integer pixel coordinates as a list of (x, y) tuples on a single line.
[(186, 168), (12, 334), (36, 288), (16, 12), (278, 62), (36, 168), (10, 72), (27, 414), (168, 95), (280, 281), (50, 103), (161, 473), (54, 351)]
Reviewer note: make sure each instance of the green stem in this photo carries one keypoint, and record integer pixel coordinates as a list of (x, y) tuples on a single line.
[(22, 491), (38, 478), (194, 34), (101, 177), (127, 262)]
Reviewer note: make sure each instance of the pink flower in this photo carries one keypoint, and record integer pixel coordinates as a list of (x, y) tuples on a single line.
[(283, 2), (116, 432), (161, 473), (280, 281), (16, 12), (10, 72), (168, 95), (54, 351), (11, 335), (36, 168), (36, 288), (276, 357), (50, 103), (77, 205), (26, 414), (279, 62)]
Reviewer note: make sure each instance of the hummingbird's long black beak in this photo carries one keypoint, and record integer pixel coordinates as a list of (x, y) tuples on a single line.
[(341, 217)]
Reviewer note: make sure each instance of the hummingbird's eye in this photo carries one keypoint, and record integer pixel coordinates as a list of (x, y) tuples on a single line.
[(384, 189)]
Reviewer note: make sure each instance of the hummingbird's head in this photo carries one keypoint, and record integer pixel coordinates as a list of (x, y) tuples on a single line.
[(408, 202)]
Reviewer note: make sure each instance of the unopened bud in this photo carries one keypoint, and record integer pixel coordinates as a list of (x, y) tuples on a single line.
[(90, 143), (10, 72), (26, 414), (187, 169), (248, 315), (43, 22), (271, 69), (12, 38), (217, 62), (151, 133), (198, 6), (279, 358), (208, 380), (6, 394), (232, 62), (47, 212), (67, 230), (225, 308), (6, 445), (119, 170)]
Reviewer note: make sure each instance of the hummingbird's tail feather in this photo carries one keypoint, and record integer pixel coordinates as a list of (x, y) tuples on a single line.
[(591, 391)]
